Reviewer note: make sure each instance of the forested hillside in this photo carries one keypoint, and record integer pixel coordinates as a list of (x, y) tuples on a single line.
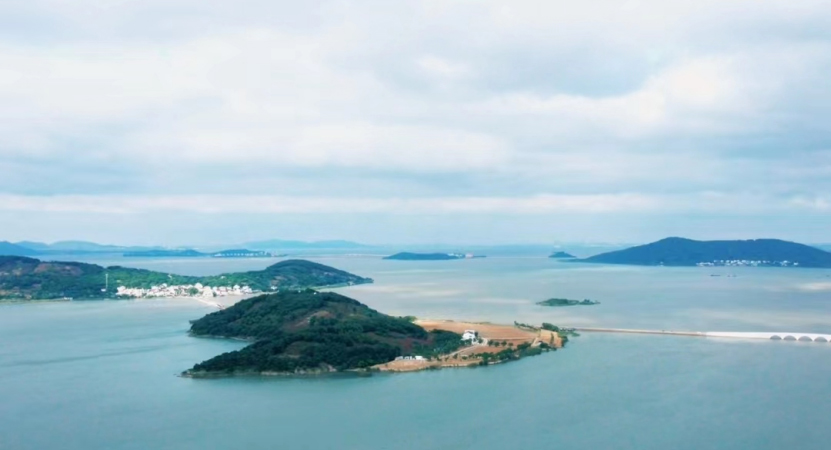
[(310, 331)]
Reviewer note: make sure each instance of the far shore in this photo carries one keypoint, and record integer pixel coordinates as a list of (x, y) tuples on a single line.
[(216, 302), (16, 301)]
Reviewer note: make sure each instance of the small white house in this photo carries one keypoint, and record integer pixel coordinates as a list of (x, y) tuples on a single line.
[(469, 335)]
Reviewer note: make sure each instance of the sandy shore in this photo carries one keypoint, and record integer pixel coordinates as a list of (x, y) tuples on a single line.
[(464, 357)]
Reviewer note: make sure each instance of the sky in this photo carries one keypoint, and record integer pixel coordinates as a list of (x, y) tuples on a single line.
[(201, 121)]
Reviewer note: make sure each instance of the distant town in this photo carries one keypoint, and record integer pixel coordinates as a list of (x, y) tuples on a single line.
[(190, 253), (747, 263), (187, 290)]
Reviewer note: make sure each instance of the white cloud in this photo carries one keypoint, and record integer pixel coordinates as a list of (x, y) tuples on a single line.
[(210, 204), (475, 106), (694, 96), (361, 145), (707, 202), (442, 68)]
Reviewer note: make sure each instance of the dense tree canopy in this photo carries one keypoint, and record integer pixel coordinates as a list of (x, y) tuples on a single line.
[(307, 330), (29, 278)]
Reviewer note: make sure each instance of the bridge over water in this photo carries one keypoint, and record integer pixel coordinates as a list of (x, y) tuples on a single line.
[(775, 336)]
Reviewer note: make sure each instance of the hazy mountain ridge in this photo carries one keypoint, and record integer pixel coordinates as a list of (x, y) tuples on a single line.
[(81, 247), (7, 248)]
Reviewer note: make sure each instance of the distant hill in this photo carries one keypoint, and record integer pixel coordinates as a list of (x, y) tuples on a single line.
[(309, 331), (562, 255), (84, 247), (81, 247), (289, 274), (9, 249), (37, 246), (407, 256), (31, 279), (277, 244), (686, 252)]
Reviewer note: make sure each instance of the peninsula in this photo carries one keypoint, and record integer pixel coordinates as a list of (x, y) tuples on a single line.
[(311, 332), (23, 278), (686, 252)]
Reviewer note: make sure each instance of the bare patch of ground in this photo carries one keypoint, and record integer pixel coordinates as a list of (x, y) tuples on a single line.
[(511, 335)]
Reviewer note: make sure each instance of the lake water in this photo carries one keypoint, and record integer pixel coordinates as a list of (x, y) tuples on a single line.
[(90, 375)]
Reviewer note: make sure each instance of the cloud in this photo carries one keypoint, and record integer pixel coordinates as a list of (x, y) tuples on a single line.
[(544, 204), (362, 145), (225, 204), (601, 107)]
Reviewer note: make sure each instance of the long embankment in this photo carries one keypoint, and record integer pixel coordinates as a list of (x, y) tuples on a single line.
[(635, 331), (775, 336)]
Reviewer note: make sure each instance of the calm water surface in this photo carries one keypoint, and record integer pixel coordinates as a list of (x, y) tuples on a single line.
[(103, 374)]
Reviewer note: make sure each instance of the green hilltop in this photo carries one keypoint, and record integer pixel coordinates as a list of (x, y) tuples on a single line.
[(687, 252), (296, 332), (23, 278)]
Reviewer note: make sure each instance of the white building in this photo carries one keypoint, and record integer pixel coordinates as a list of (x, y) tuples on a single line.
[(469, 335)]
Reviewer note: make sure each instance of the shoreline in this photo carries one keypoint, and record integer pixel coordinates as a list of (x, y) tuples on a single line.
[(519, 343), (511, 337)]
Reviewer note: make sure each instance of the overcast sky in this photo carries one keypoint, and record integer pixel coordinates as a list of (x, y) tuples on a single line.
[(474, 121)]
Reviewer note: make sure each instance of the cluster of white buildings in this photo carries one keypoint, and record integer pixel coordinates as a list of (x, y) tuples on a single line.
[(464, 255), (470, 336), (410, 358), (186, 290), (747, 263)]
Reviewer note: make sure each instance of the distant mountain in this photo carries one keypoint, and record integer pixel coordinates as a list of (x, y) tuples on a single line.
[(562, 255), (687, 252), (37, 246), (407, 256), (32, 279), (7, 248), (81, 247), (84, 247), (291, 245)]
